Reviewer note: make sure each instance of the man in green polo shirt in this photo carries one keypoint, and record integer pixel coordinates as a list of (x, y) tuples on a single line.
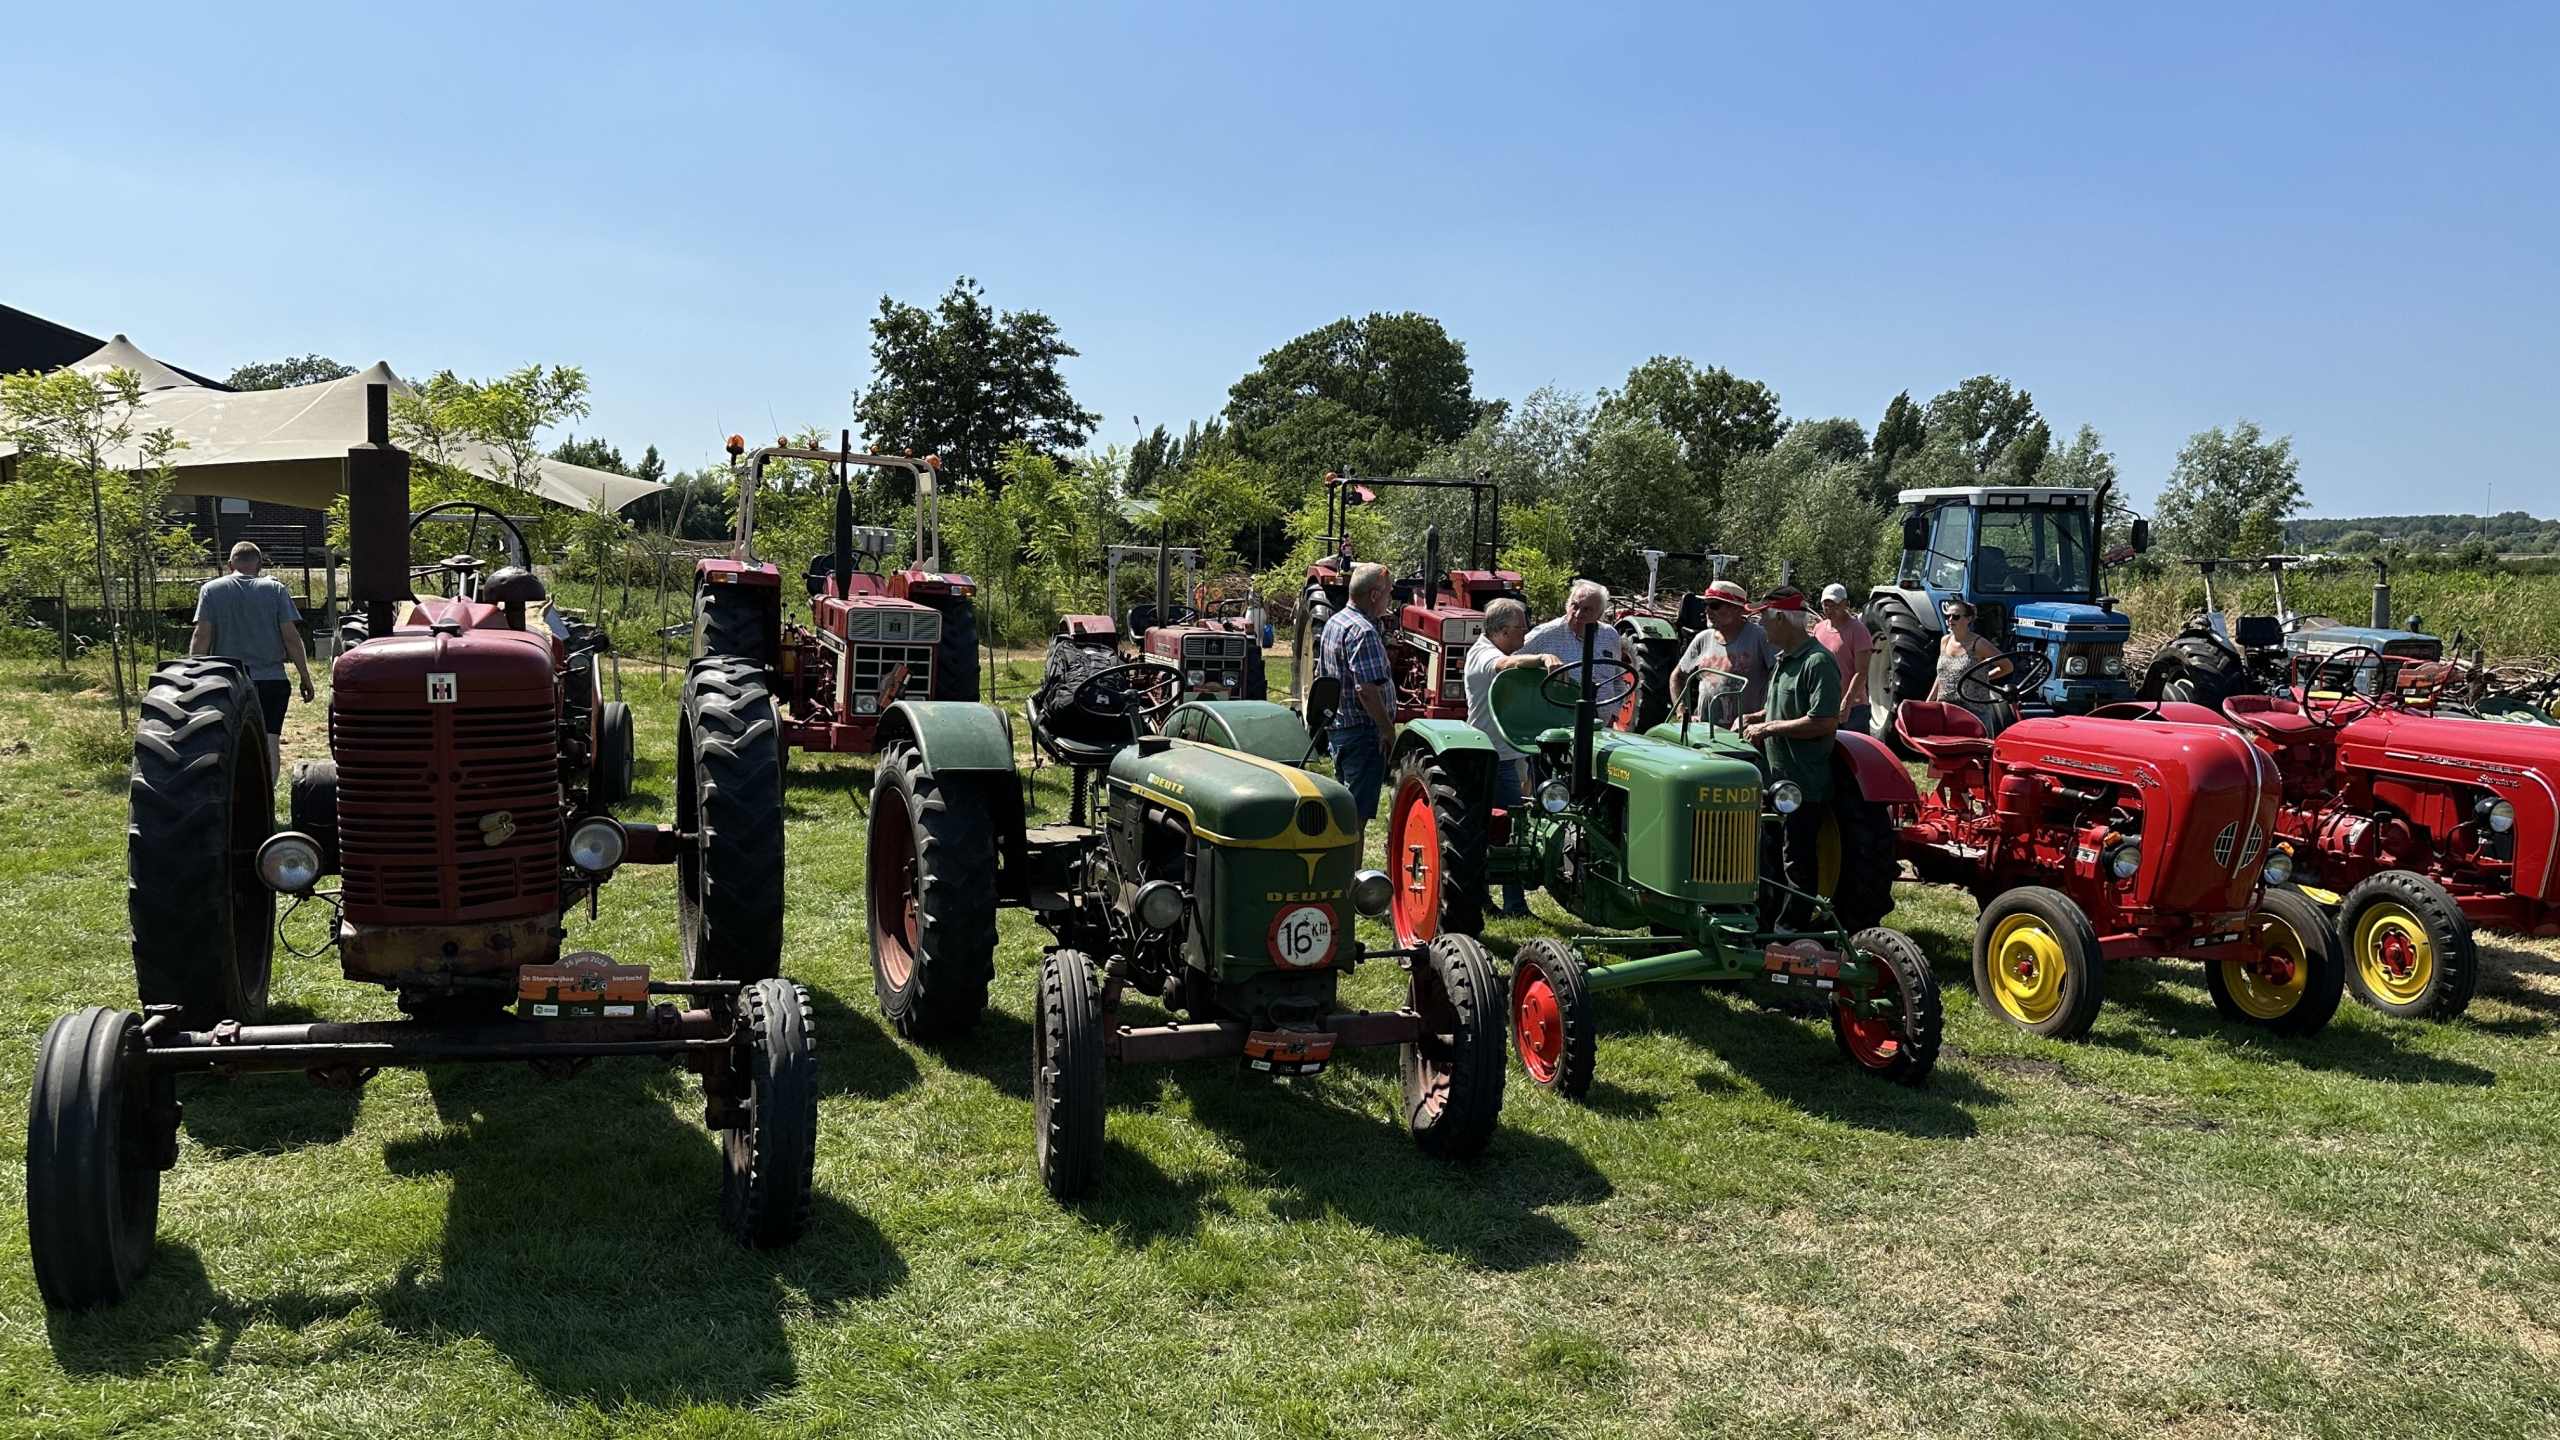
[(1794, 733)]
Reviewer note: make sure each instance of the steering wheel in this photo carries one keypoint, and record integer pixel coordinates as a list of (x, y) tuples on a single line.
[(1695, 704), (2330, 710), (1129, 697), (514, 535), (2027, 673), (1572, 694), (1231, 605)]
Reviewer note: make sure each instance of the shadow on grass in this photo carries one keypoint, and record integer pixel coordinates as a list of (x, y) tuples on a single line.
[(2526, 979), (856, 1055), (266, 1114), (2172, 997), (809, 780), (176, 1314), (997, 1050)]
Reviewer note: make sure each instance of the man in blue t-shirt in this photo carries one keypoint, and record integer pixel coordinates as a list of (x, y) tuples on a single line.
[(1354, 651), (249, 618)]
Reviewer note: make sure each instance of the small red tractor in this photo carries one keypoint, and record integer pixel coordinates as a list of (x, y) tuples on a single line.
[(2141, 830), (1216, 644), (1436, 616), (2417, 827), (466, 810), (877, 635)]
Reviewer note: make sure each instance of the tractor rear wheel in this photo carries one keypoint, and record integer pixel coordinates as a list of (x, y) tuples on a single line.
[(771, 1154), (1314, 609), (1860, 861), (1551, 1021), (2409, 947), (311, 806), (1453, 1071), (2036, 963), (96, 1144), (201, 804), (2194, 669), (1901, 1047), (1066, 1076), (1903, 667), (1653, 658), (932, 889), (2294, 990), (1435, 851), (729, 799), (733, 620), (609, 765), (955, 654)]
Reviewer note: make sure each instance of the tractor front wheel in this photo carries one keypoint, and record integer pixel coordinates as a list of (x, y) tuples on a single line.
[(2036, 963), (1453, 1071), (1901, 1045), (1066, 1076), (729, 802), (2409, 946), (932, 887), (96, 1144), (771, 1154), (2293, 988), (1435, 851), (1551, 1022)]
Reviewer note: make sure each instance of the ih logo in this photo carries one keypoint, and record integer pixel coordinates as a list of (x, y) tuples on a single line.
[(440, 687)]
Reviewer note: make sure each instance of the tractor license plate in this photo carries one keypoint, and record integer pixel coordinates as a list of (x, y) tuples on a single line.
[(582, 987), (2227, 937), (1287, 1052), (1810, 966)]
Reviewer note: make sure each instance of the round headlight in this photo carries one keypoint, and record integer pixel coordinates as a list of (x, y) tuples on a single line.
[(2125, 859), (2115, 664), (1555, 797), (289, 861), (1159, 905), (1785, 796), (2076, 665), (596, 846), (1371, 890), (2279, 866), (2502, 816)]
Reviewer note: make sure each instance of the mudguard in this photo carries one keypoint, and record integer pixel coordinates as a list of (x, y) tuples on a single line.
[(1442, 737), (1647, 627), (953, 735), (1880, 777)]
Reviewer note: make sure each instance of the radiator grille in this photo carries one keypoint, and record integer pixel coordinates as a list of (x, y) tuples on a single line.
[(414, 790), (893, 622), (872, 665), (1724, 848)]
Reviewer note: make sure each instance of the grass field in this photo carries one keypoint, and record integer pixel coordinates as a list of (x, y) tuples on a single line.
[(2175, 1228)]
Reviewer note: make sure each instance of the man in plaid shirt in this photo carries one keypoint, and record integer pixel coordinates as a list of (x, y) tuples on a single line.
[(1354, 652)]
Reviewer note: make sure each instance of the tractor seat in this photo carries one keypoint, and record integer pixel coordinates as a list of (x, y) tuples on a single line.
[(1693, 614), (2275, 716), (1145, 617), (1946, 733)]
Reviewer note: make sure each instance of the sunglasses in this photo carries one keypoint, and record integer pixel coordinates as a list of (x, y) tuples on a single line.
[(1713, 605)]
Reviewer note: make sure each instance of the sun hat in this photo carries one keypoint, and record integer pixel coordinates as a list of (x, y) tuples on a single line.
[(1729, 591)]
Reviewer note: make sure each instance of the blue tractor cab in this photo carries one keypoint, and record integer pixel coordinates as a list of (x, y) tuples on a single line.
[(2026, 558)]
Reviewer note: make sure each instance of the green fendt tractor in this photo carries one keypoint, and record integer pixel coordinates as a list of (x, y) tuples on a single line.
[(1198, 865), (1657, 836)]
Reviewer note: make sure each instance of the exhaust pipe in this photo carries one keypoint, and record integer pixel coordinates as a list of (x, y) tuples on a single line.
[(377, 517), (843, 563), (2381, 593), (1430, 567)]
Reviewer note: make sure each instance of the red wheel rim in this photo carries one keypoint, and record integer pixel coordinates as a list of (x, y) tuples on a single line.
[(893, 890), (1538, 1022), (1874, 1041), (1413, 860)]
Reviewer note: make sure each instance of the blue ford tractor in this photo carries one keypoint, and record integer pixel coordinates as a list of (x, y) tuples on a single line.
[(2027, 558)]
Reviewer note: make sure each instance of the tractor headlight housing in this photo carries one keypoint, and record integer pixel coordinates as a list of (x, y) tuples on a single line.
[(597, 845), (1371, 891), (1159, 905), (2114, 664), (1555, 797), (2076, 665), (1786, 797), (289, 862), (2125, 860), (2502, 815), (2279, 869)]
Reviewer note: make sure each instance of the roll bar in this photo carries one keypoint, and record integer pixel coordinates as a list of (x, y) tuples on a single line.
[(927, 473)]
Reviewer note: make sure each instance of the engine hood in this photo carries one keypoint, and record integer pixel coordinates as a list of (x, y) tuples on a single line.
[(2208, 798), (474, 668), (2467, 761), (1232, 798), (2065, 617), (2398, 644)]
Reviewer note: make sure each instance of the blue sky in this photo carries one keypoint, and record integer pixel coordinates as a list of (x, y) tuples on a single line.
[(2337, 221)]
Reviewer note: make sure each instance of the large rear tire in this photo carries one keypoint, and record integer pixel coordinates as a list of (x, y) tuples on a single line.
[(729, 799), (1903, 667), (955, 654), (1315, 607), (1066, 1076), (1551, 1021), (2294, 989), (770, 1157), (2196, 670), (1435, 851), (100, 1129), (2036, 963), (1653, 658), (2410, 952), (1453, 1073), (201, 804), (734, 620), (932, 889), (1869, 863), (311, 801)]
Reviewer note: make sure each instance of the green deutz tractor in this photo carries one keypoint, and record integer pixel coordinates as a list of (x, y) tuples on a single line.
[(1658, 836), (1199, 865)]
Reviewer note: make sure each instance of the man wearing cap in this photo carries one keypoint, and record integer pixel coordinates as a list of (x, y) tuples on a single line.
[(1794, 734), (250, 618), (1733, 644), (1849, 641)]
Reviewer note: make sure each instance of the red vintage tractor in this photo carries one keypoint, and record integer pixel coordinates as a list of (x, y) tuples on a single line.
[(2417, 827), (1436, 616), (466, 809), (878, 634), (1216, 644), (2139, 830)]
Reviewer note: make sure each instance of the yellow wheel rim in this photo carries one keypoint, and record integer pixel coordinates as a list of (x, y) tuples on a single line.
[(2269, 988), (2393, 953), (2027, 967)]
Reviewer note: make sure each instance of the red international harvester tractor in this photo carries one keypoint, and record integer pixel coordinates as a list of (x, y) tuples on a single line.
[(1436, 617), (2141, 830), (466, 809), (909, 633)]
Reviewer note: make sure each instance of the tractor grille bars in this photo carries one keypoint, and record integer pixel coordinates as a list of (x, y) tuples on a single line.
[(447, 813), (872, 665), (1724, 848)]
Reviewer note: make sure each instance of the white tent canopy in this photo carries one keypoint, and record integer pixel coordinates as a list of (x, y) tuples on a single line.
[(289, 447)]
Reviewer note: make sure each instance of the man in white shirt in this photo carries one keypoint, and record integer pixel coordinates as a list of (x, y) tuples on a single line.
[(1561, 637), (1506, 626)]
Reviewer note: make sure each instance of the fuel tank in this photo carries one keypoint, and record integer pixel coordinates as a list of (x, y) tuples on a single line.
[(2437, 771), (2207, 799)]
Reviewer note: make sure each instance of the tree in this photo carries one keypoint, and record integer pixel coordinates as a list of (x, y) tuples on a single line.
[(1634, 491), (1802, 503), (2360, 542), (1841, 440), (288, 372), (595, 454), (1991, 420), (1899, 433), (1374, 394), (507, 414), (1717, 417), (965, 380), (650, 468), (2224, 481)]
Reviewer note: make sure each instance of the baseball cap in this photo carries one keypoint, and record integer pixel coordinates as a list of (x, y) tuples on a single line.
[(1729, 591), (1785, 597), (1835, 591)]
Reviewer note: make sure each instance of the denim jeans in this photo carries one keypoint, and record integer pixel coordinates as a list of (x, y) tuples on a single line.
[(1361, 767)]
